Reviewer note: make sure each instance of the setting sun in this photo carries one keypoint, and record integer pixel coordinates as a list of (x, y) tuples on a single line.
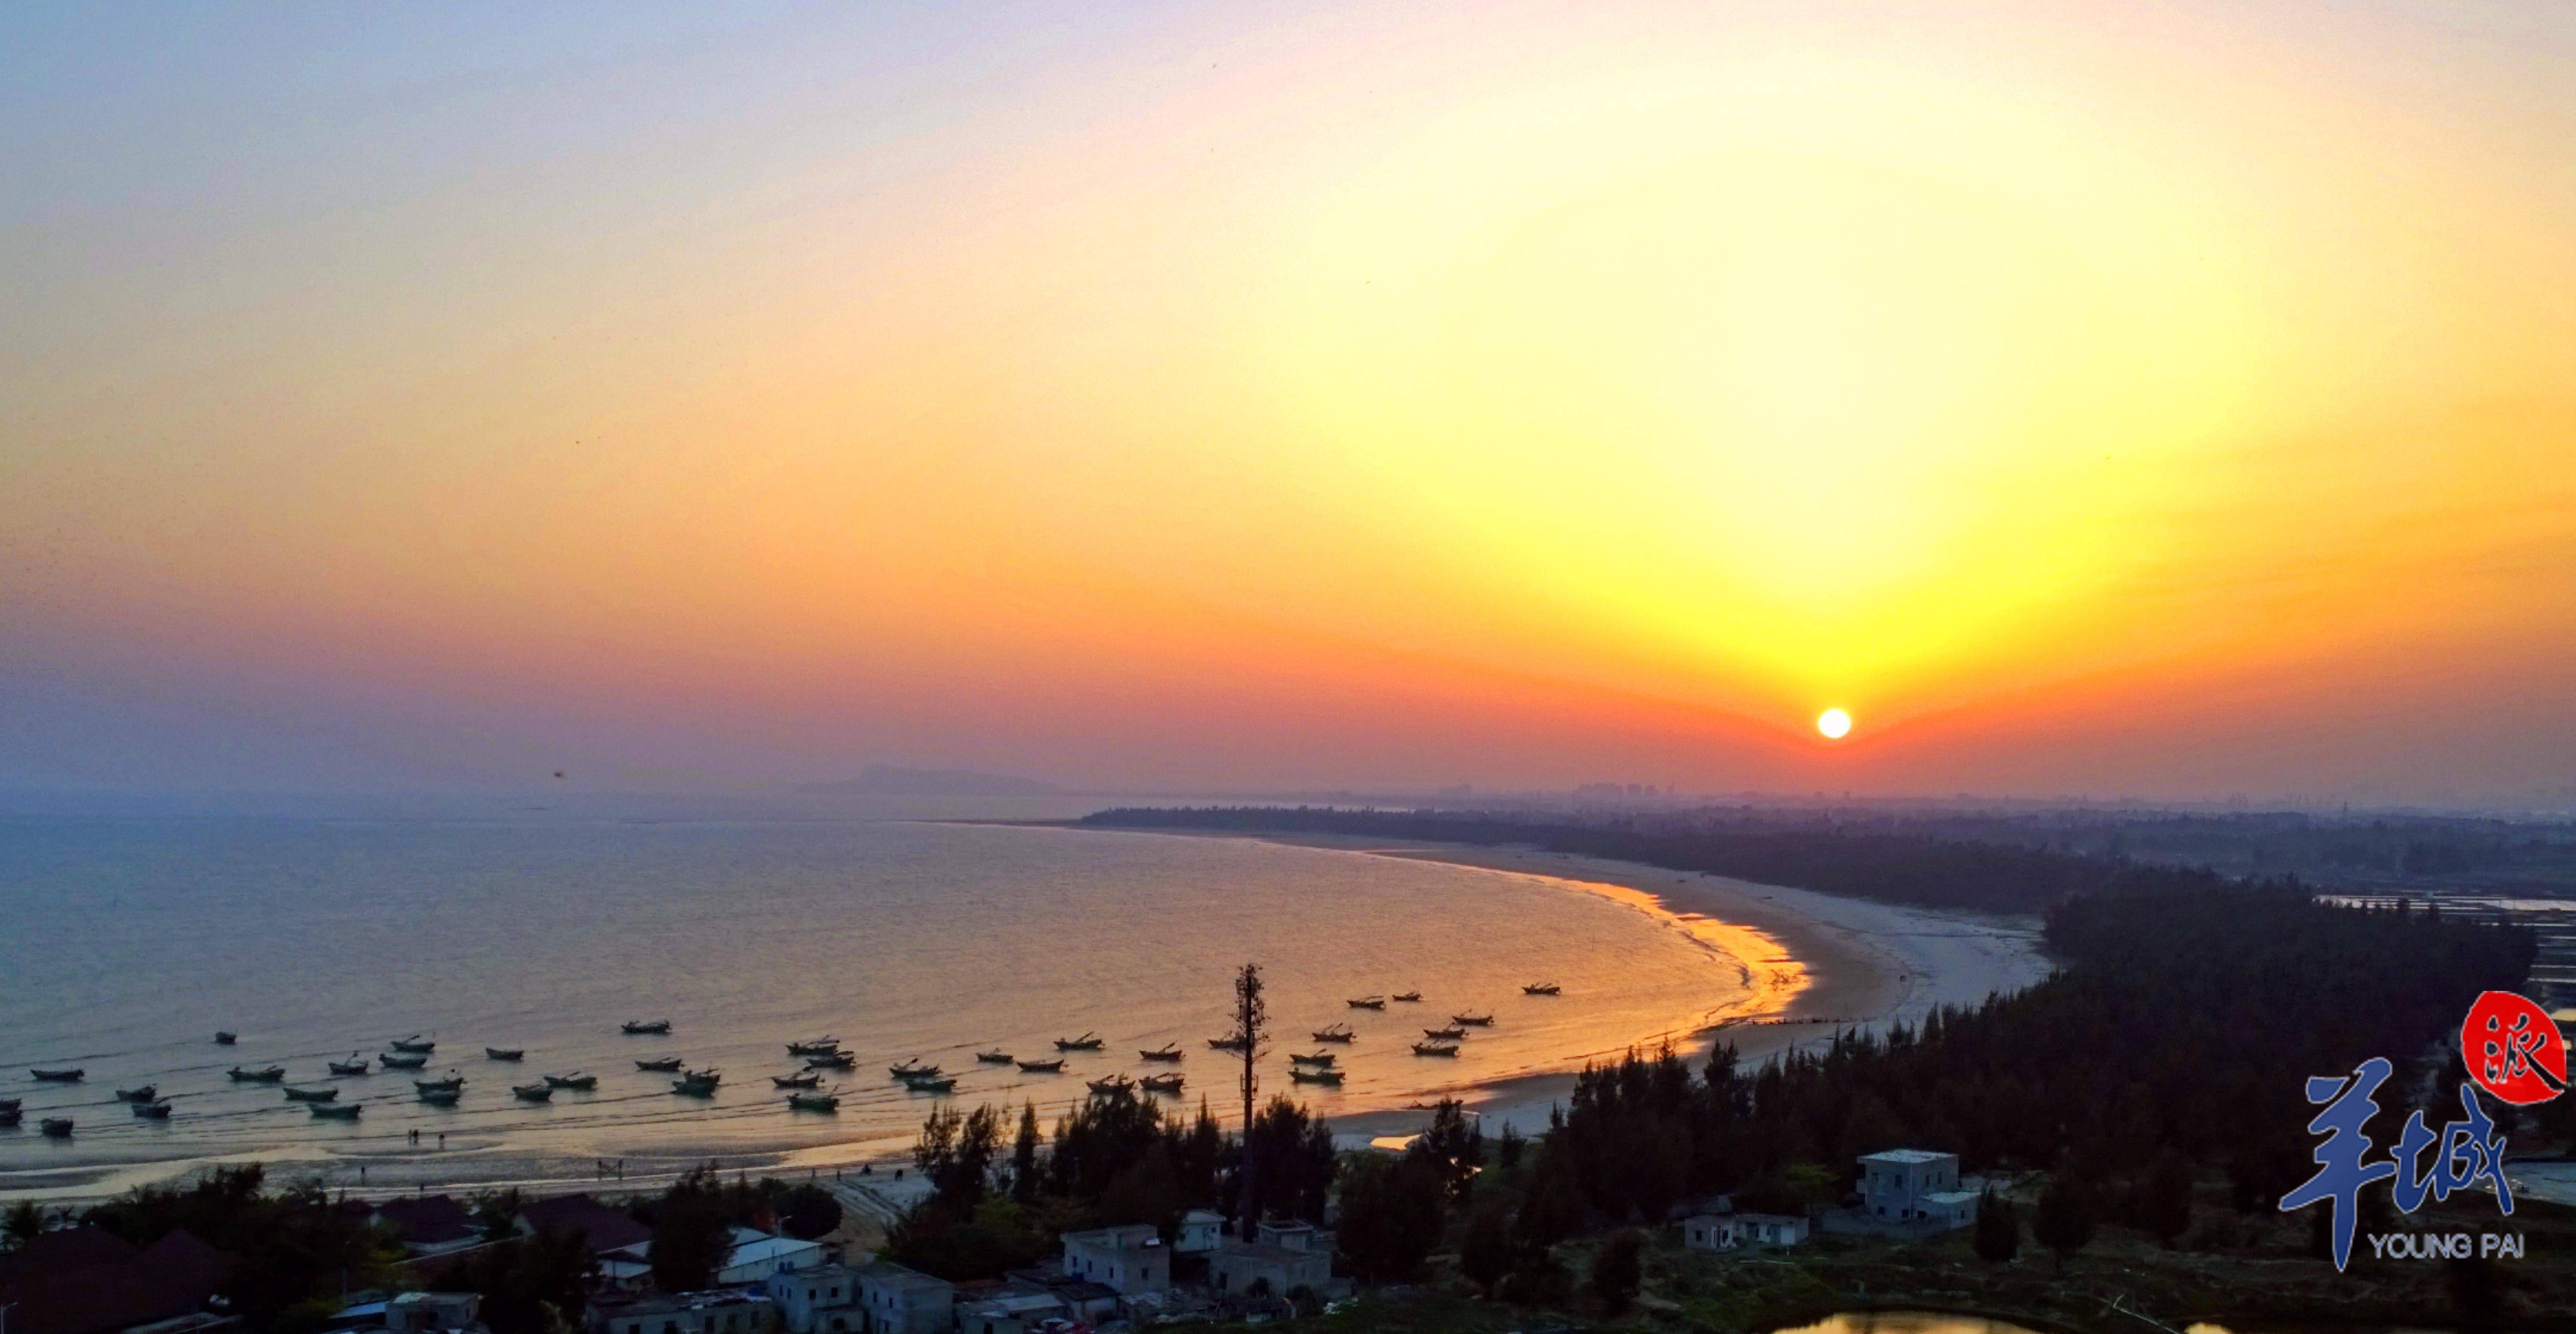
[(1833, 723)]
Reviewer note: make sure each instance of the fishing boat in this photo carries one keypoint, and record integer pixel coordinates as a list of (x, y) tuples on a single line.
[(505, 1053), (153, 1111), (391, 1061), (928, 1085), (1332, 1077), (909, 1069), (355, 1065), (576, 1081), (1042, 1067), (537, 1092), (1164, 1083), (347, 1111), (839, 1060), (807, 1080), (59, 1076), (1087, 1042), (1435, 1049), (696, 1085), (147, 1093), (9, 1116), (645, 1026), (814, 1102), (1311, 1058), (56, 1127), (994, 1057), (1335, 1033), (11, 1104), (1472, 1020), (273, 1074), (294, 1094), (451, 1084), (1541, 989), (1228, 1044), (659, 1064), (1169, 1051), (1450, 1034), (1367, 1003), (822, 1046), (415, 1044), (226, 1039), (1409, 997), (1113, 1084), (441, 1097)]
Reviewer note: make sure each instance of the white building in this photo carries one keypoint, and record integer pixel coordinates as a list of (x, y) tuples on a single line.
[(1129, 1261), (1730, 1232), (821, 1300), (1012, 1313), (756, 1255), (1261, 1268), (1915, 1186), (1202, 1230), (725, 1311), (897, 1300)]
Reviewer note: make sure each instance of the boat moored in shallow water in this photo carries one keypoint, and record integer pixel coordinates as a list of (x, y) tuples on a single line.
[(269, 1074), (59, 1076), (1305, 1076), (576, 1081), (294, 1094), (147, 1093), (415, 1044), (1367, 1003), (452, 1083), (1407, 996), (1334, 1033), (994, 1057), (660, 1064), (56, 1127), (391, 1061), (1311, 1058), (822, 1046), (1450, 1034), (344, 1111), (1164, 1083), (441, 1097), (807, 1080), (1087, 1042), (1169, 1051), (1228, 1044), (1435, 1049), (152, 1111), (538, 1092), (642, 1026), (505, 1053), (1473, 1020), (814, 1102), (355, 1065), (223, 1039), (1541, 989)]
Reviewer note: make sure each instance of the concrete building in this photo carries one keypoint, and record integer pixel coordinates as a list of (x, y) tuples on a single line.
[(1915, 1187), (823, 1299), (1294, 1235), (433, 1312), (1258, 1267), (1014, 1311), (1129, 1261), (726, 1311), (756, 1255), (1729, 1232), (1201, 1231), (897, 1300)]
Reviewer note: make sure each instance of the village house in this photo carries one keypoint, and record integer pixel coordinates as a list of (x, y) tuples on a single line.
[(433, 1312), (1129, 1261), (721, 1311), (756, 1255), (1728, 1232), (1201, 1231), (1015, 1310), (821, 1300), (897, 1300), (1915, 1188), (1257, 1268), (429, 1224)]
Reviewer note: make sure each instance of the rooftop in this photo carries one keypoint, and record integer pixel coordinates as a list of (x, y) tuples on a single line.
[(1905, 1156)]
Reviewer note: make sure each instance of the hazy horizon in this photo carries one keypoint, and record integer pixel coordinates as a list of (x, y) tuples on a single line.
[(2169, 401)]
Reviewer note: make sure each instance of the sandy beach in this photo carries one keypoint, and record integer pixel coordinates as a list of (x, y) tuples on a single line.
[(1814, 962)]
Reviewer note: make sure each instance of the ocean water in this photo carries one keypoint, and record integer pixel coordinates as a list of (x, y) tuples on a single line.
[(125, 944)]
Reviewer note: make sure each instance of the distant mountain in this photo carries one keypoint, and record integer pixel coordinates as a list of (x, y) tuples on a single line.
[(886, 780)]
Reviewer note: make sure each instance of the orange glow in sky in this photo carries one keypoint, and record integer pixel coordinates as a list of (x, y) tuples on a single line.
[(2163, 399)]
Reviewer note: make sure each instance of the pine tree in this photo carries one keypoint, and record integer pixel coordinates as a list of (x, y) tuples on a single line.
[(1998, 1228), (2064, 1220), (1617, 1270)]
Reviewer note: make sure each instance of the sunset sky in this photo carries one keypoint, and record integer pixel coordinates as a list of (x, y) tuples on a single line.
[(2112, 398)]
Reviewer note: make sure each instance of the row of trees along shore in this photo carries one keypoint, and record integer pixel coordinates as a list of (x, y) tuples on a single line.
[(2173, 1042)]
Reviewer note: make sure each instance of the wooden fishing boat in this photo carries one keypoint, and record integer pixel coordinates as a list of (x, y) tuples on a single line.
[(11, 1104), (1228, 1044), (272, 1074), (1164, 1083), (1367, 1003), (1407, 996), (345, 1111), (56, 1127), (147, 1093), (645, 1026), (1302, 1076), (441, 1097), (839, 1060), (1435, 1049), (1450, 1034), (59, 1076), (450, 1084), (1472, 1020), (994, 1057), (822, 1046), (1169, 1051), (1311, 1058), (355, 1065), (9, 1116), (415, 1044), (660, 1064), (928, 1085), (391, 1061), (1335, 1033), (807, 1080), (537, 1092), (226, 1039), (1113, 1084), (814, 1102), (576, 1081), (294, 1094), (505, 1053), (1541, 989), (1087, 1042), (153, 1111), (909, 1069), (696, 1085)]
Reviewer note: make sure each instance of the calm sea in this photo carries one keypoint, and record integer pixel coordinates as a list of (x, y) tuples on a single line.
[(128, 943)]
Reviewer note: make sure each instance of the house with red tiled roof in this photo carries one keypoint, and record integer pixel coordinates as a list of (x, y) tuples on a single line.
[(606, 1229)]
